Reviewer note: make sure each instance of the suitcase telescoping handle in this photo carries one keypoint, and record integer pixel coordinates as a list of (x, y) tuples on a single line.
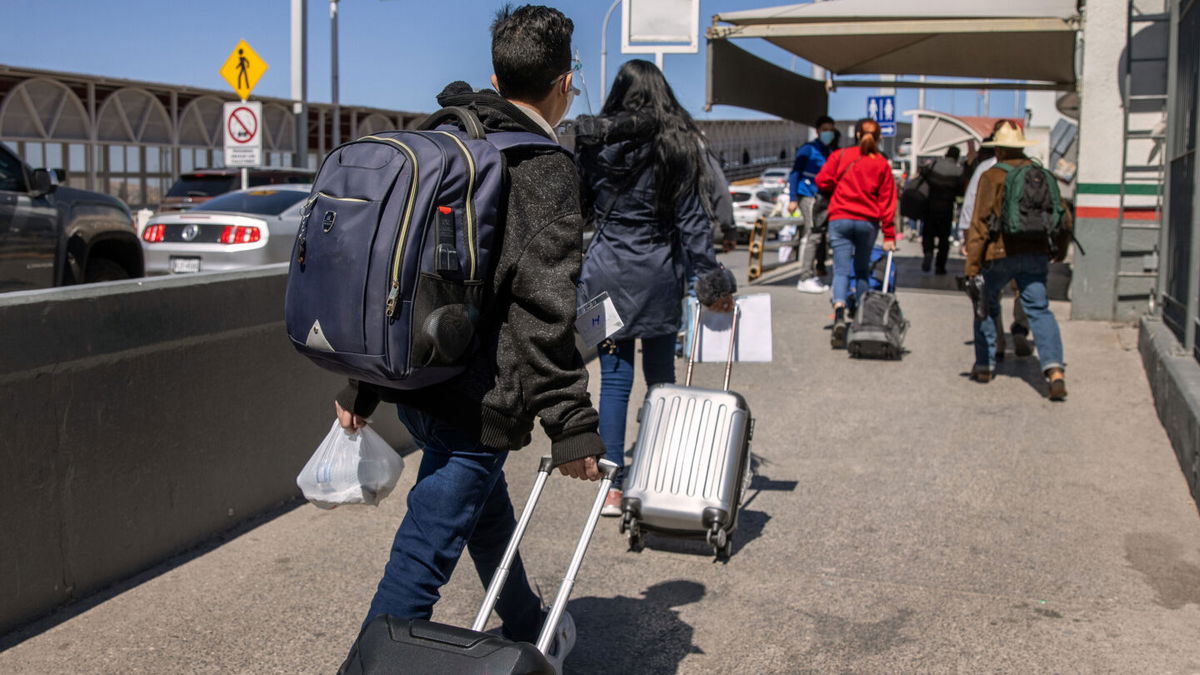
[(737, 312), (887, 273), (608, 471)]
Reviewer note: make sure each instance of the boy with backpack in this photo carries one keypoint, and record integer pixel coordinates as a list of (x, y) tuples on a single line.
[(1018, 227), (525, 363)]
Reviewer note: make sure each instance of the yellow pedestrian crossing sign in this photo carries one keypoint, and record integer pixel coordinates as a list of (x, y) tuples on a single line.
[(243, 69)]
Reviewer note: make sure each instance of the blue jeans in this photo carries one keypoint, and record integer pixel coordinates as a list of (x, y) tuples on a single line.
[(616, 381), (460, 499), (1029, 271), (852, 241)]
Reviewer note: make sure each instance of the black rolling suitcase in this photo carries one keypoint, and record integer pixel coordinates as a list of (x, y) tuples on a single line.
[(879, 326), (388, 645)]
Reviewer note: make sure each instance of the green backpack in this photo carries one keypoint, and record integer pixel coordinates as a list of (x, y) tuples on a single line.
[(1032, 207)]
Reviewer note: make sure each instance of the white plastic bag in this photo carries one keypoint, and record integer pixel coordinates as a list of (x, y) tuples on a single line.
[(350, 468)]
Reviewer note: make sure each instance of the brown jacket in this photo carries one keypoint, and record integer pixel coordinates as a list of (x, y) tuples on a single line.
[(981, 246)]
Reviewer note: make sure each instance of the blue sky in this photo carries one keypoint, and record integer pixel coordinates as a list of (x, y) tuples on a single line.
[(395, 54)]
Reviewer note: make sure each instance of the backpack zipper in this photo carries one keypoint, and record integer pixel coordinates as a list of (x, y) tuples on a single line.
[(398, 255), (341, 199), (470, 198)]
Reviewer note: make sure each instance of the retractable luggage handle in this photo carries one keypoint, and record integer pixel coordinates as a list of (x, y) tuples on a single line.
[(737, 312), (608, 471), (887, 272)]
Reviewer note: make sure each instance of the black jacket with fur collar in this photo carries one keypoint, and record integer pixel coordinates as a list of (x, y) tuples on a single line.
[(529, 366)]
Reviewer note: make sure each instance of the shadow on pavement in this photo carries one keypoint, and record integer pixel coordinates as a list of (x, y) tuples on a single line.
[(1026, 368), (634, 635), (68, 612), (750, 526)]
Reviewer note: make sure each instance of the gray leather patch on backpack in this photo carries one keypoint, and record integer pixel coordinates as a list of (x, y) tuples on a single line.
[(316, 338)]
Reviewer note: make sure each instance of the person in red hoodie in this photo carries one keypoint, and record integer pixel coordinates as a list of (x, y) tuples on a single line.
[(863, 201)]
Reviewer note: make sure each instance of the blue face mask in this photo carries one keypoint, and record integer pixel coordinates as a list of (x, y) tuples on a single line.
[(826, 137)]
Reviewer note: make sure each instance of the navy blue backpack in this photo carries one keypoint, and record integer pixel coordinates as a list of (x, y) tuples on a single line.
[(396, 248)]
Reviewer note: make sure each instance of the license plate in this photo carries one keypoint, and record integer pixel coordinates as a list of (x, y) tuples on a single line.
[(184, 265)]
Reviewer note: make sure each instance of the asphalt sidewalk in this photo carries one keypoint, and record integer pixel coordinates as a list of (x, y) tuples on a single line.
[(901, 518)]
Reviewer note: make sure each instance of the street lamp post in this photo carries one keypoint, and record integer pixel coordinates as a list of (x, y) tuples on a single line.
[(333, 56), (300, 81), (604, 52)]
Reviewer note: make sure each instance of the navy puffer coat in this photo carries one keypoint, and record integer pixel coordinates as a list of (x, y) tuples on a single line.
[(639, 259)]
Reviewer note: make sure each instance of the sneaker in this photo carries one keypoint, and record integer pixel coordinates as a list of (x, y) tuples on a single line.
[(811, 285), (838, 339), (564, 639), (612, 504)]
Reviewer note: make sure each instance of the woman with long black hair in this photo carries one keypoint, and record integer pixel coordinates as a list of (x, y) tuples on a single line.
[(644, 175)]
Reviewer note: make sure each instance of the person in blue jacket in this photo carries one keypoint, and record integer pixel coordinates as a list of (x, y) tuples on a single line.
[(809, 159), (643, 171)]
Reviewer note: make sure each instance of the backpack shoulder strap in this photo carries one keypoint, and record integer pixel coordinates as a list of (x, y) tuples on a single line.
[(1005, 167), (513, 140)]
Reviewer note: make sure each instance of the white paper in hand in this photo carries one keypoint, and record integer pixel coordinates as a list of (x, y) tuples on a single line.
[(597, 319), (350, 468), (753, 341)]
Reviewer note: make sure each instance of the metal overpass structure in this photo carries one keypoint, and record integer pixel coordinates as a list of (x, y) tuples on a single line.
[(133, 139)]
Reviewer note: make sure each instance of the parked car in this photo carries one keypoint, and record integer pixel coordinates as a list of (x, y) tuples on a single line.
[(244, 228), (53, 235), (905, 147), (775, 177), (196, 187), (749, 203)]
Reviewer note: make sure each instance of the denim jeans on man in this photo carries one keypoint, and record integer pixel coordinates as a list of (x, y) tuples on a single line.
[(1029, 271), (616, 381), (852, 241), (460, 499)]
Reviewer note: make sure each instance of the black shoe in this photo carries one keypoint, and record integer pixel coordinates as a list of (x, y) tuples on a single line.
[(838, 340), (925, 266), (940, 270), (1021, 344)]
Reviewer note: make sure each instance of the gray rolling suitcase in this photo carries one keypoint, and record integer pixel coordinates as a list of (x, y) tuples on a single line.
[(691, 460), (879, 326)]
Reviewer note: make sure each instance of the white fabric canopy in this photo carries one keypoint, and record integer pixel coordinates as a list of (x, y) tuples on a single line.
[(1004, 39)]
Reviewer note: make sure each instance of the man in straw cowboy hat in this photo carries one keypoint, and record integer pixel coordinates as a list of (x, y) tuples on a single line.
[(1005, 251)]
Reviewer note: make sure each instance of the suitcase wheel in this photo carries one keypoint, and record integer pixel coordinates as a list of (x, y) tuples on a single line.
[(633, 532), (719, 539)]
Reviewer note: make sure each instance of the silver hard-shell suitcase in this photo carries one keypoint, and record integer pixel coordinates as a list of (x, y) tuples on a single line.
[(691, 460)]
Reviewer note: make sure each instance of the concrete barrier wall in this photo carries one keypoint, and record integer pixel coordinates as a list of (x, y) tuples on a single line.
[(1175, 380), (138, 419)]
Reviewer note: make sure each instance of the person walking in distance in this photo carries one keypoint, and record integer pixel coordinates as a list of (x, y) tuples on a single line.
[(863, 202), (945, 178), (526, 364), (984, 160), (802, 189), (1002, 256), (643, 189)]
